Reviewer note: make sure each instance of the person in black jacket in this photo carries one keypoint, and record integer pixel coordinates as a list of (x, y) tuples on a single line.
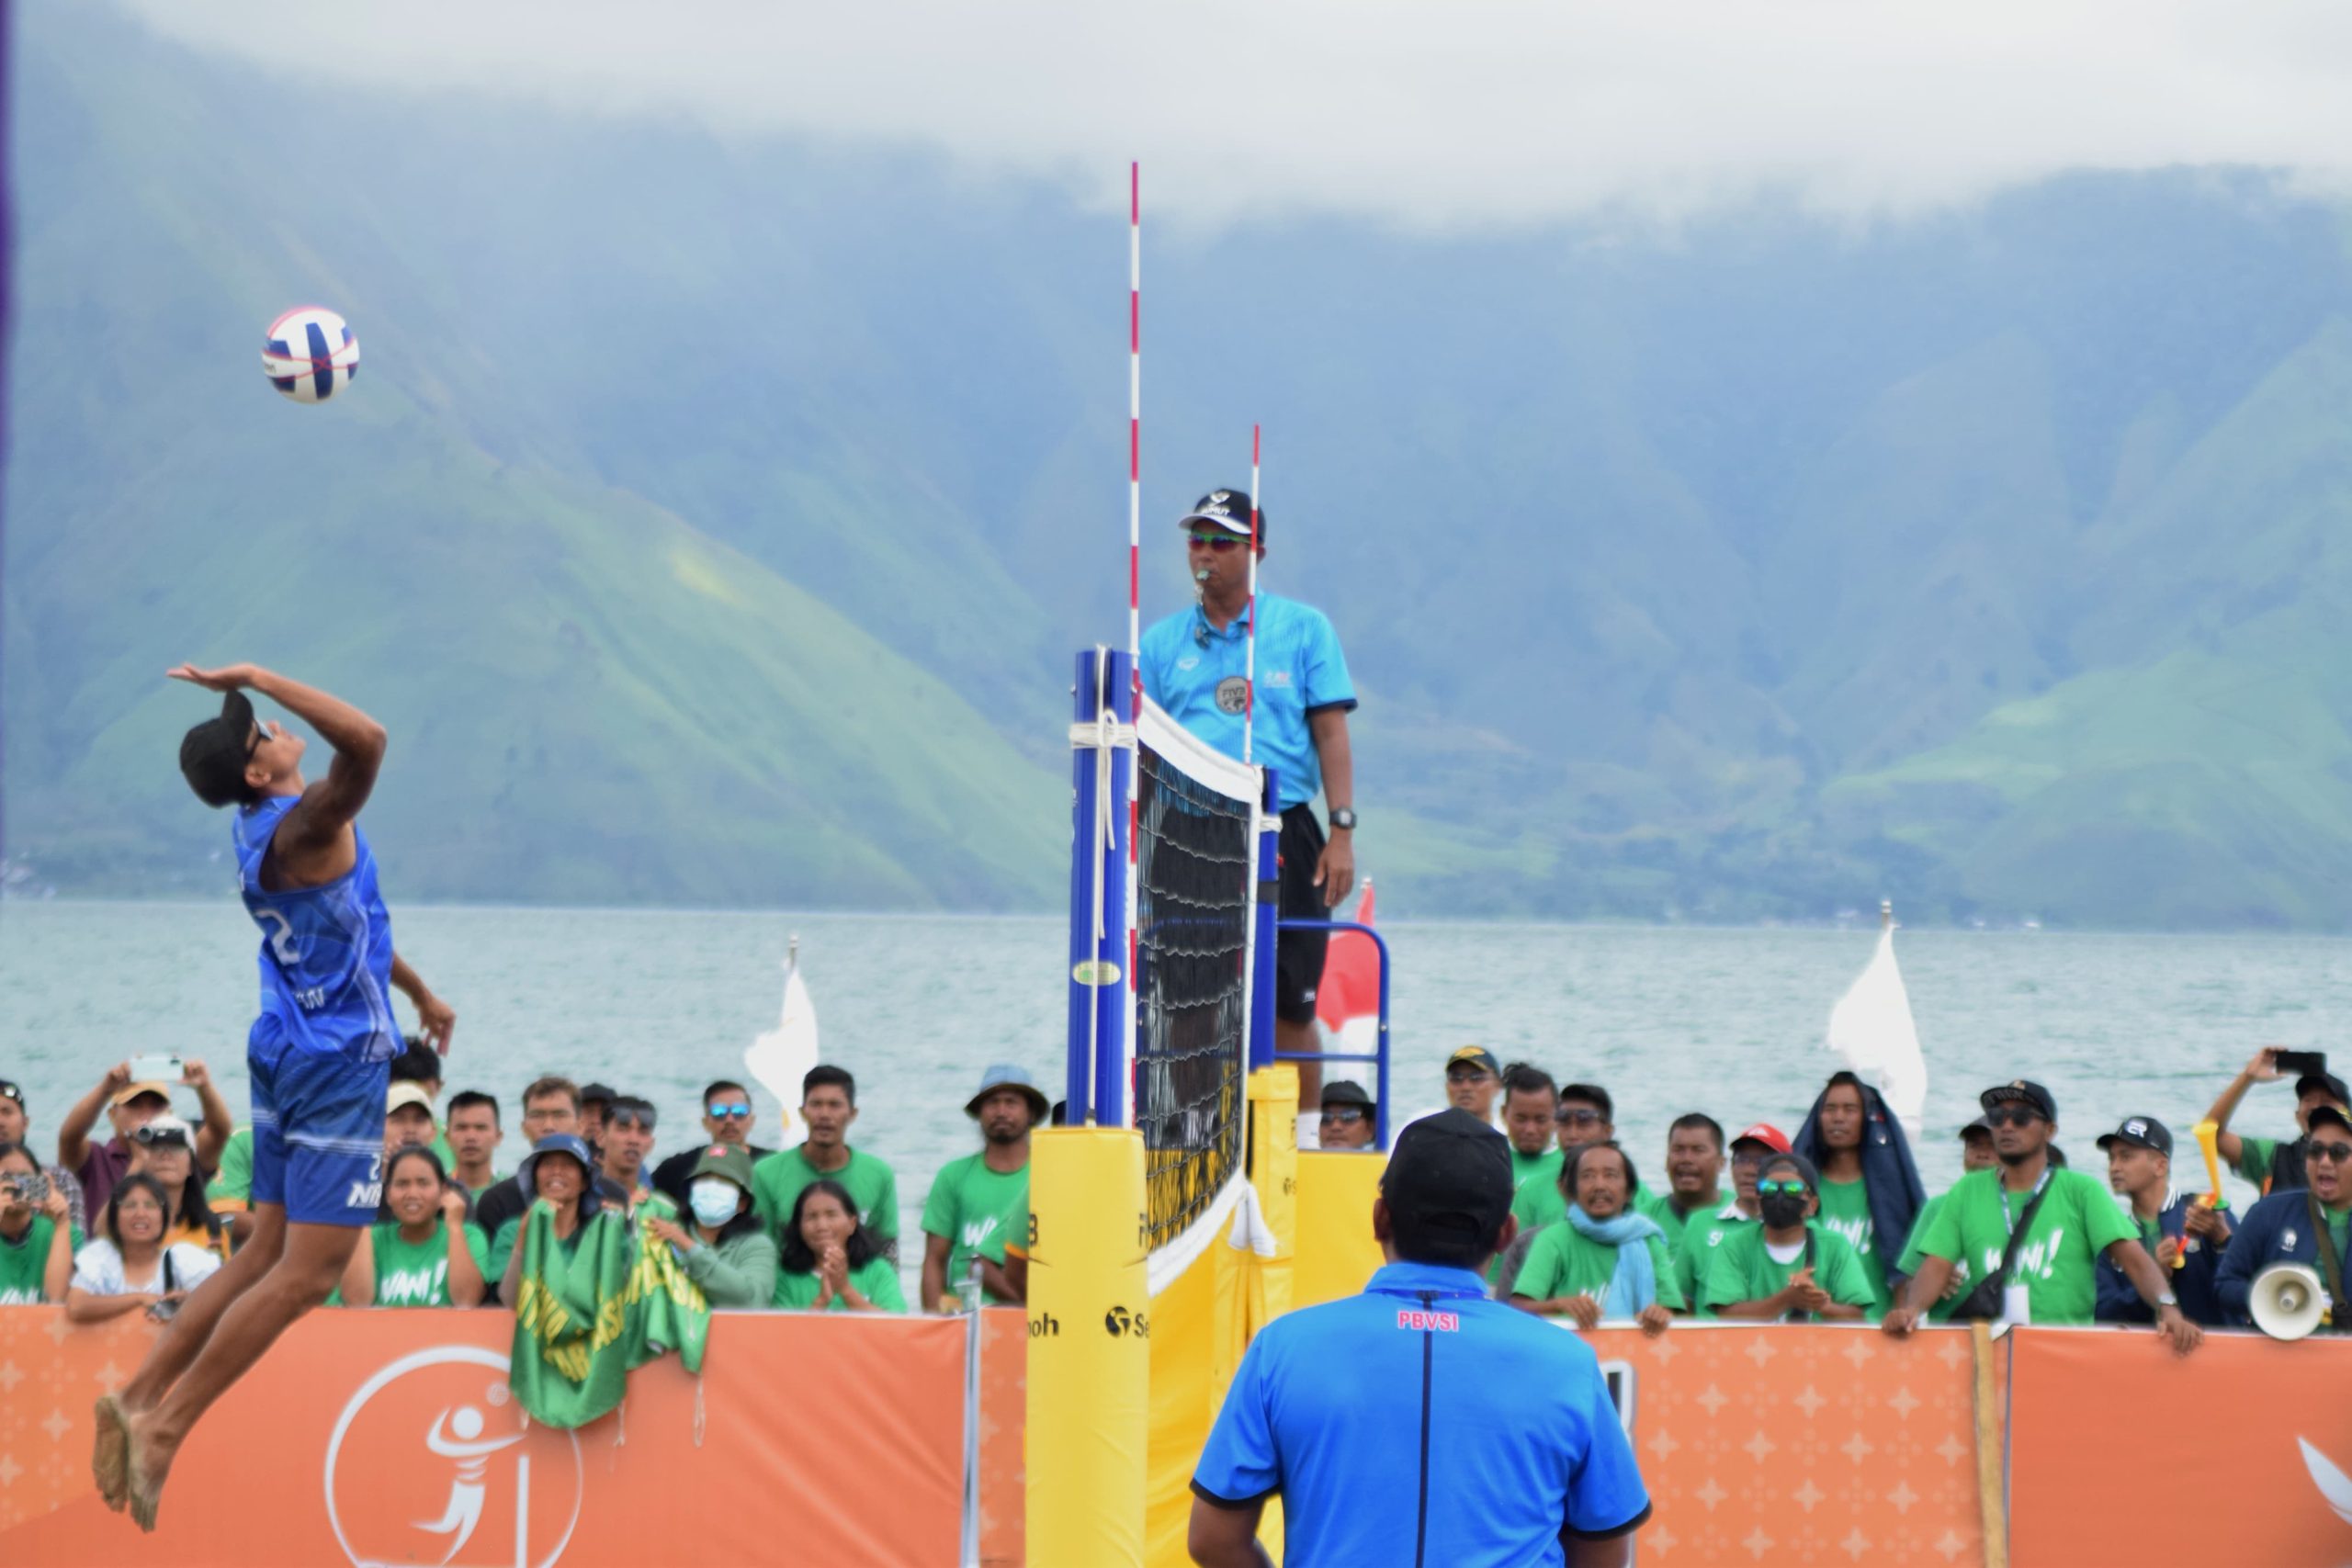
[(1869, 1188), (2184, 1233), (2311, 1226)]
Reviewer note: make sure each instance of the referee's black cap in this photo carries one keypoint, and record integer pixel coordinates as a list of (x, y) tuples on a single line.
[(1449, 1173), (1225, 509)]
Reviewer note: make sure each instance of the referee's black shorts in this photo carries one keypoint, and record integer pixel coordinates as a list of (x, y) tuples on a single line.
[(1298, 955)]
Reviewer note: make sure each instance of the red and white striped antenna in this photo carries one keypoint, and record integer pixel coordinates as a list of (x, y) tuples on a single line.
[(1134, 435), (1249, 640), (1135, 609)]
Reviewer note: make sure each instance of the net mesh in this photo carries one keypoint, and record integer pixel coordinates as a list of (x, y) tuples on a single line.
[(1195, 885)]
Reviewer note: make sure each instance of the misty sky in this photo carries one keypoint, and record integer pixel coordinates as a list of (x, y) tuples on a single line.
[(1442, 114)]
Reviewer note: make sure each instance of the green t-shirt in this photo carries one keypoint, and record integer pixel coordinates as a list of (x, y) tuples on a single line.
[(778, 1181), (1535, 1198), (2255, 1156), (418, 1275), (234, 1179), (1659, 1207), (22, 1263), (1908, 1264), (1846, 1209), (978, 1211), (2077, 1221), (1744, 1270), (876, 1280), (1702, 1234), (1563, 1262)]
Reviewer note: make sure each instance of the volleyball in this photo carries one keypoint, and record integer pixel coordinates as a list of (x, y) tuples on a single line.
[(310, 354)]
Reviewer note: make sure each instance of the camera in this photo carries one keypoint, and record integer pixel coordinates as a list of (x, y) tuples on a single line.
[(30, 1186)]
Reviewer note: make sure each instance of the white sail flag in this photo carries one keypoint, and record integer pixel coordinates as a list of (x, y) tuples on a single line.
[(780, 1058), (1872, 1030)]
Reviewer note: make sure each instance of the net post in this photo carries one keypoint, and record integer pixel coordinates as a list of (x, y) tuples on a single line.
[(1268, 912), (1089, 1348), (1113, 954), (1085, 869)]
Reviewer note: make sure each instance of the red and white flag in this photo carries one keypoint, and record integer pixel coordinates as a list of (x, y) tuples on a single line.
[(1347, 1002)]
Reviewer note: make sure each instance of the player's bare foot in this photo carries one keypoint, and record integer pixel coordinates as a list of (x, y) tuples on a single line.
[(147, 1464), (109, 1452)]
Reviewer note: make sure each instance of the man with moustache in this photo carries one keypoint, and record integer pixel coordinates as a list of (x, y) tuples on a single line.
[(2311, 1226), (1587, 1115), (1195, 664), (981, 1203), (2061, 1223)]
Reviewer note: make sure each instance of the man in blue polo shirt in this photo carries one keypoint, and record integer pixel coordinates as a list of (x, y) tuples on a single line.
[(1194, 666), (1421, 1422)]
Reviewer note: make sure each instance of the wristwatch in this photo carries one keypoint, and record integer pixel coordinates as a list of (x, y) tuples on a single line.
[(1343, 818), (2166, 1299)]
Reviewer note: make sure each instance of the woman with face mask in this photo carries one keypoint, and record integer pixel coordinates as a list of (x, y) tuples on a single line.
[(132, 1267), (426, 1255), (830, 1261), (722, 1246), (1792, 1266)]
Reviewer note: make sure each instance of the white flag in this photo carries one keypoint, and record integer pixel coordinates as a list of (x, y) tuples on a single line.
[(1871, 1029), (780, 1058)]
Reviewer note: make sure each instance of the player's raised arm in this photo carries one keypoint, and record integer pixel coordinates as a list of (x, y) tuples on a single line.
[(333, 804)]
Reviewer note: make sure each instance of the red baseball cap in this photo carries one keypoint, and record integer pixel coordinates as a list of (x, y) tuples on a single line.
[(1764, 1132)]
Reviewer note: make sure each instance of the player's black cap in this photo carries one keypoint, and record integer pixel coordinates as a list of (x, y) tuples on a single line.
[(1225, 509), (213, 754), (1449, 1174), (2139, 1133)]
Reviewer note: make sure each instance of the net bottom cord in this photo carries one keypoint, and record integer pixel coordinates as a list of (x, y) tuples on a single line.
[(1166, 1265)]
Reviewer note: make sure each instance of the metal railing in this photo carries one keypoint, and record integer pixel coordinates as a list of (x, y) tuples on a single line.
[(1378, 1055)]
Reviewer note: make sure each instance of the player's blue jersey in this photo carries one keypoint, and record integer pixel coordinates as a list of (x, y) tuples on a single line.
[(326, 951)]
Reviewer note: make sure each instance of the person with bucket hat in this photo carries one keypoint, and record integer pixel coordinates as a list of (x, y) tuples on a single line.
[(721, 1243), (2031, 1234), (560, 1172), (981, 1203)]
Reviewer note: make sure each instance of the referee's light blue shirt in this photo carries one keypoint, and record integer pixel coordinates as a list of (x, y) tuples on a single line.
[(1196, 671), (1423, 1423)]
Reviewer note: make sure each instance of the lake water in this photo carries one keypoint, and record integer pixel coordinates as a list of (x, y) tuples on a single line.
[(658, 1003)]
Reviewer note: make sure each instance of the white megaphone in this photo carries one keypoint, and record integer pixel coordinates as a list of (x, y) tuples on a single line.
[(2287, 1301)]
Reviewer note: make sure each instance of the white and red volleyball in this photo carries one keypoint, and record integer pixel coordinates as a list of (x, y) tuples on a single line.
[(310, 354)]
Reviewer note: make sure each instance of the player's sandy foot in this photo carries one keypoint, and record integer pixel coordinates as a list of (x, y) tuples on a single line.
[(109, 1452), (147, 1463)]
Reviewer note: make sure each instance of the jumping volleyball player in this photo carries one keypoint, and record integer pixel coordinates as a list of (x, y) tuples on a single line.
[(317, 1056)]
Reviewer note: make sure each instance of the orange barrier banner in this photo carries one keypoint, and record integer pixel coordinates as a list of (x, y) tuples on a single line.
[(388, 1437), (2096, 1476), (1800, 1443)]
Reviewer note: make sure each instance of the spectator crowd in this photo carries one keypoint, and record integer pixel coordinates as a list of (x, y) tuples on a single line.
[(1828, 1223)]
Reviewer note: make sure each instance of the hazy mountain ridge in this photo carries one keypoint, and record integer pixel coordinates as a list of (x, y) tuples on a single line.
[(1749, 570)]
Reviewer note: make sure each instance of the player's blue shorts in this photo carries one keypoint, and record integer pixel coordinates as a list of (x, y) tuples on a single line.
[(318, 1129)]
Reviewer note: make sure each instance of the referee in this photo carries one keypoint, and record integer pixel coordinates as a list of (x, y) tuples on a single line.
[(1194, 666), (1422, 1422)]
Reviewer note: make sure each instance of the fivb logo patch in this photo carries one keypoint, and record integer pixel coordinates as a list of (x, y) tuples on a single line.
[(431, 1462)]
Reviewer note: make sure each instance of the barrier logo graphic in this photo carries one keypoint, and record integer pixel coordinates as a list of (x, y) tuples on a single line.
[(2335, 1486), (433, 1462)]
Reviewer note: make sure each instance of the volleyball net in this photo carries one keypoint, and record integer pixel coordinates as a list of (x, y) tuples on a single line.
[(1162, 1040)]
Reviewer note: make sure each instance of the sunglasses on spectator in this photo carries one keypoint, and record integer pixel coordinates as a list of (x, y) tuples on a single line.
[(1347, 1115), (1467, 1074), (2012, 1116), (722, 1112), (632, 1119), (2339, 1153), (1579, 1116), (1220, 542), (1792, 1188)]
